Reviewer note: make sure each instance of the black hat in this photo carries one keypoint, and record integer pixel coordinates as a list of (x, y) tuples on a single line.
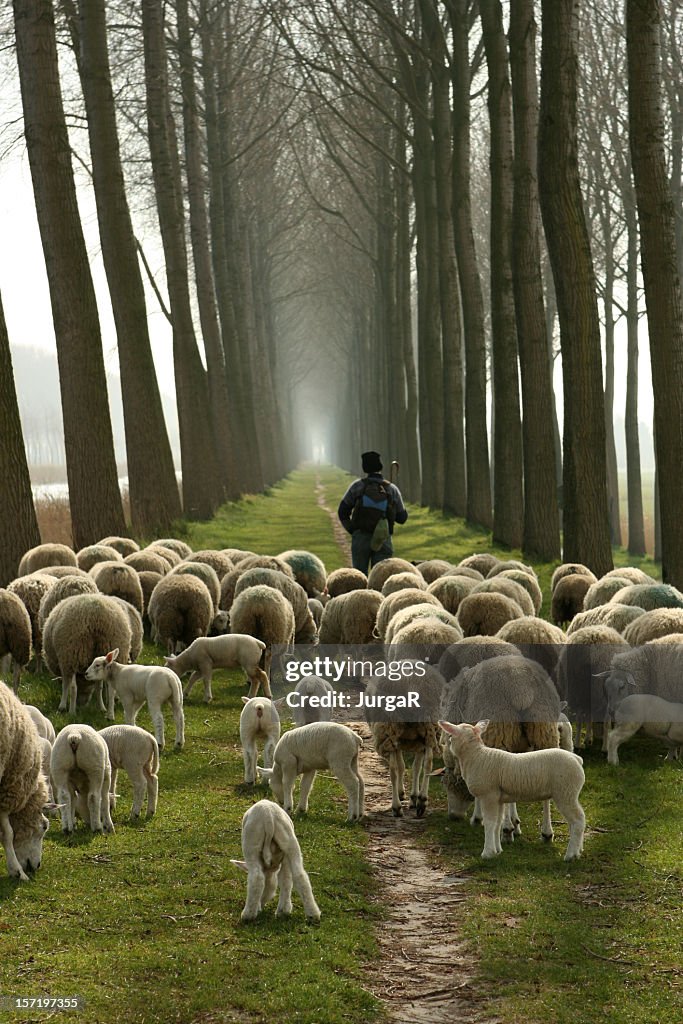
[(371, 462)]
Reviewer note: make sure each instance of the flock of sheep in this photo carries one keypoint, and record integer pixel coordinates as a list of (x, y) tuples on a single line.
[(504, 699)]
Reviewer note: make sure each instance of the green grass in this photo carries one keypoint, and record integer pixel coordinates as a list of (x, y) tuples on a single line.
[(144, 924)]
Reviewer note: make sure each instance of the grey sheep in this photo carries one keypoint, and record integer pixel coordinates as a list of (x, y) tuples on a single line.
[(485, 614), (649, 595), (45, 555), (75, 632), (15, 635), (180, 610)]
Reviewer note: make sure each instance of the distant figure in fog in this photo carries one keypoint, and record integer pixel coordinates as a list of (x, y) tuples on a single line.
[(368, 512)]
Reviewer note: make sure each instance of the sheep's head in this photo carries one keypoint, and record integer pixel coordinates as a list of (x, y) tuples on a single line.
[(616, 684), (460, 735), (29, 826), (274, 778), (100, 666)]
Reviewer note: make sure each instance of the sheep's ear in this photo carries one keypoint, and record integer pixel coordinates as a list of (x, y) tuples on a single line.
[(245, 700), (50, 807), (265, 773), (240, 864), (112, 656), (481, 726), (437, 771), (168, 660), (281, 702), (602, 675), (448, 727)]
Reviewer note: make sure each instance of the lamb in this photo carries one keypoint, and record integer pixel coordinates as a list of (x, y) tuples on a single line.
[(496, 777), (308, 570), (657, 717), (180, 610), (450, 591), (80, 765), (137, 752), (406, 731), (218, 561), (135, 684), (402, 581), (119, 580), (259, 720), (350, 618), (228, 651), (304, 623), (204, 572), (44, 555), (124, 545), (381, 572), (568, 596), (304, 711), (343, 581), (653, 625), (395, 603), (498, 584), (264, 613), (15, 635), (75, 632), (303, 751), (44, 726), (23, 790), (485, 614), (31, 590), (94, 553), (272, 856)]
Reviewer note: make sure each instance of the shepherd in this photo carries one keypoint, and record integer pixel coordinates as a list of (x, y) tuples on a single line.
[(368, 511)]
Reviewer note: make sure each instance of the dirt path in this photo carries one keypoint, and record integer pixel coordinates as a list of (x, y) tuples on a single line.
[(425, 975), (340, 534)]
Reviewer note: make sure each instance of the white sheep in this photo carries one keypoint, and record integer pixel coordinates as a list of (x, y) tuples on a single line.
[(228, 651), (137, 752), (303, 751), (259, 721), (23, 792), (656, 716), (46, 755), (80, 765), (497, 777), (43, 724), (272, 855), (135, 684)]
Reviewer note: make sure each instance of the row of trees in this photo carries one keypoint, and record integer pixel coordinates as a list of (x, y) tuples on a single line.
[(318, 174)]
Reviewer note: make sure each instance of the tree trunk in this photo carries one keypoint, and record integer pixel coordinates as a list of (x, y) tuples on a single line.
[(94, 495), (586, 520), (660, 269), (201, 487), (152, 485), (541, 519), (610, 448), (476, 431), (219, 395), (18, 524), (508, 503), (636, 519)]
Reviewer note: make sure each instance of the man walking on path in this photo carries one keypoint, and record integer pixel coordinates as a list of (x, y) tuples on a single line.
[(368, 512)]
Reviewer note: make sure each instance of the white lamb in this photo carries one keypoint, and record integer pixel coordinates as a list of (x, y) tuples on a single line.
[(259, 721), (303, 751), (304, 710), (137, 752), (46, 755), (497, 777), (227, 651), (42, 723), (272, 854), (135, 684), (80, 765), (656, 716)]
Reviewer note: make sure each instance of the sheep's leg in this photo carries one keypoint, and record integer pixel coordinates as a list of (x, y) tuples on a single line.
[(152, 790), (361, 788), (547, 824), (607, 726), (348, 776), (476, 818), (492, 811), (401, 770), (418, 762), (268, 751), (288, 780), (572, 810), (270, 887), (137, 777), (5, 663), (256, 883), (100, 697), (69, 691), (250, 758), (307, 780), (112, 789), (104, 800), (64, 799), (130, 710), (157, 717), (302, 884), (511, 826), (111, 702), (207, 676), (16, 674), (396, 775), (618, 735), (179, 723), (7, 838), (423, 796), (194, 676), (284, 905)]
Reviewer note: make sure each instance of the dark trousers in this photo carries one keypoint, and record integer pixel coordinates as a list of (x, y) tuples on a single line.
[(362, 554)]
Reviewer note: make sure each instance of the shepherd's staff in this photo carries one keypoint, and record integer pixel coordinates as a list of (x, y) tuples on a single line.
[(393, 476)]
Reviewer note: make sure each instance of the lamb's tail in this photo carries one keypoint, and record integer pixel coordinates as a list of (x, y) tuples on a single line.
[(268, 836), (74, 741), (152, 765), (176, 692)]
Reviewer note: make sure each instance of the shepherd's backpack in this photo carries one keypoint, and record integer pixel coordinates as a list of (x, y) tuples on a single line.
[(375, 502)]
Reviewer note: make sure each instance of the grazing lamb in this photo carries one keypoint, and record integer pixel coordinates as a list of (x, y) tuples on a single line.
[(228, 651), (43, 725), (272, 855), (259, 721), (303, 751), (497, 777), (80, 765), (135, 684), (23, 790), (137, 752), (657, 717)]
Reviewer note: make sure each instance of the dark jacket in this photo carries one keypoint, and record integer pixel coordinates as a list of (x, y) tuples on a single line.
[(346, 505)]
